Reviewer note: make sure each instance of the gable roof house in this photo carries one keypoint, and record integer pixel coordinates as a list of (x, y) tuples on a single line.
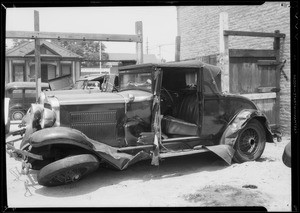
[(56, 61)]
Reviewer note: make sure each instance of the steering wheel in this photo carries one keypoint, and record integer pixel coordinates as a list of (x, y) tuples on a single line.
[(166, 99)]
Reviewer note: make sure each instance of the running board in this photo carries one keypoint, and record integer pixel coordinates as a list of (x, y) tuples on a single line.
[(182, 153)]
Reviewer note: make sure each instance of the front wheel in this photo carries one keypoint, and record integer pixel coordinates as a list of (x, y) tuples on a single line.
[(67, 170), (250, 143)]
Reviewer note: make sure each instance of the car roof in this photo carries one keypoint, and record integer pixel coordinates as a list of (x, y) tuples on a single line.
[(24, 85), (181, 64)]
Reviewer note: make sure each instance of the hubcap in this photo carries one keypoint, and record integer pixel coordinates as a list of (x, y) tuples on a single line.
[(249, 141), (68, 176), (17, 115)]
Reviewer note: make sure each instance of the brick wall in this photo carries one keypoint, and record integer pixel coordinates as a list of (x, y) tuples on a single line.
[(198, 27)]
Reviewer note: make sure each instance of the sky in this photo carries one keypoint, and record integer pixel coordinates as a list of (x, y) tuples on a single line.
[(159, 25)]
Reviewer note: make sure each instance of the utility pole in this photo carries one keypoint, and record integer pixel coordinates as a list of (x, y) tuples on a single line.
[(100, 55), (37, 53)]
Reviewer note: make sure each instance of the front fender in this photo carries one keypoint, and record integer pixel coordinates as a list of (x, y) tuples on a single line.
[(69, 136), (60, 135), (239, 121)]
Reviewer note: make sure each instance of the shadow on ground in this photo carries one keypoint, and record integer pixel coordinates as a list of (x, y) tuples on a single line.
[(142, 171)]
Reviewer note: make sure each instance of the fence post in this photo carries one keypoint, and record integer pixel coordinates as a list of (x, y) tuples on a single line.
[(139, 45), (37, 53), (276, 47), (223, 60), (177, 48)]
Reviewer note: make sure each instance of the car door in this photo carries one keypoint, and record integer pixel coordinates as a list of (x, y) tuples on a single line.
[(213, 109)]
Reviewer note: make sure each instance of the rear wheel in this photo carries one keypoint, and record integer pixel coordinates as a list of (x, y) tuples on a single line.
[(250, 143), (67, 170)]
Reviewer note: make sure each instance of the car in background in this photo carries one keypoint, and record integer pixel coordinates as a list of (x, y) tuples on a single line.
[(97, 82), (21, 95)]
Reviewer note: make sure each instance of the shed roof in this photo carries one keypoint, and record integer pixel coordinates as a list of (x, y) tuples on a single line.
[(28, 48)]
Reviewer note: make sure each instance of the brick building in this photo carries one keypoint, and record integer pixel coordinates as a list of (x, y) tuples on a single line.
[(198, 27)]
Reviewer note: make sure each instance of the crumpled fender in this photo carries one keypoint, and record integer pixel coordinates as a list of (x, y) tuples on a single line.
[(65, 135), (239, 121)]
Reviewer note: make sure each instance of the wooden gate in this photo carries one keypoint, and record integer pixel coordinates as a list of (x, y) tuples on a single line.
[(252, 73)]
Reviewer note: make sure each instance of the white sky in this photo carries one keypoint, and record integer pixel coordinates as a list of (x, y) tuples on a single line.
[(159, 24)]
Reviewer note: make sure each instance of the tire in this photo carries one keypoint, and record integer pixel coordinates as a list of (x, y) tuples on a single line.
[(67, 170), (286, 156), (250, 143), (17, 115)]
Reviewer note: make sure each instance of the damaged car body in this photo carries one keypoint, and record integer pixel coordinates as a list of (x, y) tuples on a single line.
[(160, 111)]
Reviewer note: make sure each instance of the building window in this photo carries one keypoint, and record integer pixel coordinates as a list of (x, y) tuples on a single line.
[(18, 73)]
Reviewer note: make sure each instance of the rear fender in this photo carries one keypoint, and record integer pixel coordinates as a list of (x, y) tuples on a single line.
[(239, 121)]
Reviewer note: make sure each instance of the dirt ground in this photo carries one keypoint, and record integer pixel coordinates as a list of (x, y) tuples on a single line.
[(198, 180)]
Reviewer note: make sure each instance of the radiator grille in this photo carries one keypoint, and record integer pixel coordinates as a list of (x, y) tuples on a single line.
[(100, 126), (81, 117)]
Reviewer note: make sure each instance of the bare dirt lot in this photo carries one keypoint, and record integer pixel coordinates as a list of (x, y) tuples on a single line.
[(198, 180)]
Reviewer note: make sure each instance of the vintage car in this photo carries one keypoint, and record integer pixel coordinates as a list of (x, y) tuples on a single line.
[(22, 95), (160, 111)]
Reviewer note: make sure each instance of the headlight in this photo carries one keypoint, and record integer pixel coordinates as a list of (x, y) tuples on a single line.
[(48, 119), (40, 116)]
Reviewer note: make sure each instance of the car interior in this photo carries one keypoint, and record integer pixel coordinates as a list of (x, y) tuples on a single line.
[(179, 105)]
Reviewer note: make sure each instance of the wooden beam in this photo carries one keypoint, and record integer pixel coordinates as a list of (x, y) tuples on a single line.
[(177, 48), (10, 67), (223, 60), (139, 46), (276, 47), (37, 53), (257, 96), (73, 36), (267, 89), (267, 62), (253, 34), (251, 53)]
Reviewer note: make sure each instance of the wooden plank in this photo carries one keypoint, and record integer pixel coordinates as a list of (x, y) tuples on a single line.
[(267, 62), (139, 46), (251, 53), (177, 48), (276, 47), (267, 89), (223, 60), (73, 36), (256, 96), (253, 34)]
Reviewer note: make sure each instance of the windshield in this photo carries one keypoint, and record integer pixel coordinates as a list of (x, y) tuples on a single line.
[(139, 81)]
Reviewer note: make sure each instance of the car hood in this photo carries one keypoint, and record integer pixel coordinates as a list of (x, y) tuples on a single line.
[(79, 97)]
